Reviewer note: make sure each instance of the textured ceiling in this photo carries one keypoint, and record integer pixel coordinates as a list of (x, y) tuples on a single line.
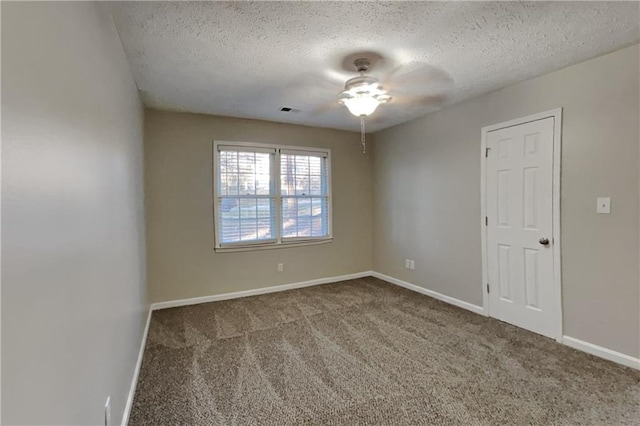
[(247, 59)]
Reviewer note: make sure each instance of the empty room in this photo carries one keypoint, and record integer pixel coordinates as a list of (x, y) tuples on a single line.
[(320, 213)]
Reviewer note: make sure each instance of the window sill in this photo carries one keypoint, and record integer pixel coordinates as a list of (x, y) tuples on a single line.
[(257, 247)]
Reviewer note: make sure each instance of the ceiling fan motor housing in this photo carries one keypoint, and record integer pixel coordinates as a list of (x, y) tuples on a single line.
[(362, 64)]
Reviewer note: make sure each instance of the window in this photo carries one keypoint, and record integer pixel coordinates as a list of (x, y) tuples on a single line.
[(270, 196)]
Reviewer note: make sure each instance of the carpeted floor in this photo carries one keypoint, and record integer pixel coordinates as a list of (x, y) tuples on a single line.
[(367, 352)]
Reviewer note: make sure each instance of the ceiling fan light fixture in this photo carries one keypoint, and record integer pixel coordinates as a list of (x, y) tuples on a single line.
[(362, 95), (361, 104)]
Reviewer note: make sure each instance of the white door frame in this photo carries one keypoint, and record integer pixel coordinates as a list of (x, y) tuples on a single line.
[(557, 272)]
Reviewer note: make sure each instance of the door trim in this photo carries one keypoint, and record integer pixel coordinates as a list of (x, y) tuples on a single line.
[(556, 114)]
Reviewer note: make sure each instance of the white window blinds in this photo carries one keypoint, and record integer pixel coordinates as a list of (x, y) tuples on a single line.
[(304, 189), (246, 196), (270, 195)]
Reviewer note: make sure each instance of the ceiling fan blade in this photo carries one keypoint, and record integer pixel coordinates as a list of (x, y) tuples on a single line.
[(317, 88), (391, 74), (309, 81), (376, 119), (325, 107), (435, 100), (417, 77)]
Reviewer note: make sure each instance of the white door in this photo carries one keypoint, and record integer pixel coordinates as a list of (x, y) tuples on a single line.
[(519, 200)]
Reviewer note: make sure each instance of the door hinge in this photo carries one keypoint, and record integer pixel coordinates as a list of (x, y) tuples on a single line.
[(486, 221), (488, 291), (486, 152)]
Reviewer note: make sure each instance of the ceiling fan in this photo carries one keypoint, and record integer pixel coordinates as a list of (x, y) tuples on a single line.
[(364, 93)]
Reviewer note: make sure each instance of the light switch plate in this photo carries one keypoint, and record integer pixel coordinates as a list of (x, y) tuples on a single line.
[(603, 205)]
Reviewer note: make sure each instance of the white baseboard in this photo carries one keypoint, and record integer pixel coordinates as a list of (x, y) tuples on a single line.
[(136, 372), (447, 299), (601, 352), (265, 290), (572, 342)]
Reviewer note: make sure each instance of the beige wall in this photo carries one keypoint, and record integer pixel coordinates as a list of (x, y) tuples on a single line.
[(427, 194), (178, 176), (73, 285)]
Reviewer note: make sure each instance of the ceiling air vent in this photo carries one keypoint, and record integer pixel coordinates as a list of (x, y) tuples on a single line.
[(288, 109)]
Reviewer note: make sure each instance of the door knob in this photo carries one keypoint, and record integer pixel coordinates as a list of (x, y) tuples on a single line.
[(544, 241)]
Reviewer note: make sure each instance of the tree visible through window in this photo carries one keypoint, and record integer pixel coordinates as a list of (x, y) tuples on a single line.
[(270, 195)]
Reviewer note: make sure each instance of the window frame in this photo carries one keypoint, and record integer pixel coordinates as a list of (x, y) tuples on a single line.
[(279, 241)]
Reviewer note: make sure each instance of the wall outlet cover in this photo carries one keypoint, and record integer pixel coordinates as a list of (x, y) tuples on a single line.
[(603, 205)]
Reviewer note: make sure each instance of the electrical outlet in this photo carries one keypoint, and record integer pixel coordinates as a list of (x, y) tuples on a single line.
[(107, 412), (412, 264), (407, 263), (603, 205), (280, 267)]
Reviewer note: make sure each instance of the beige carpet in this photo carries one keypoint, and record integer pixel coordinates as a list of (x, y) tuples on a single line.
[(367, 352)]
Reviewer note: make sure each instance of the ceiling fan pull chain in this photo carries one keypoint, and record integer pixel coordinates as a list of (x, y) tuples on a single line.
[(362, 138)]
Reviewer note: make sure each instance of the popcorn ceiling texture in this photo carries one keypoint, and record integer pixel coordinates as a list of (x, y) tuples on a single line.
[(247, 59)]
